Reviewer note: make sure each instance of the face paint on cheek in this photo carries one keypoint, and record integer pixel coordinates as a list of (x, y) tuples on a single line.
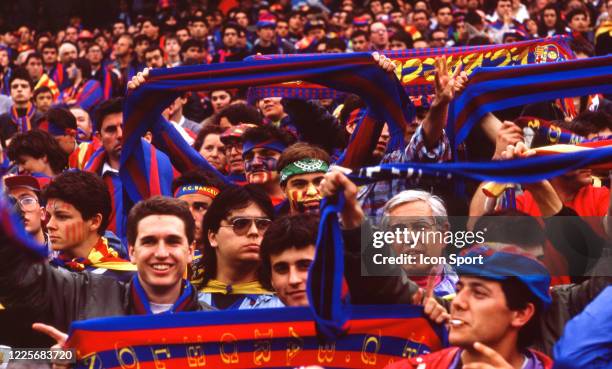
[(75, 232), (259, 170), (305, 201)]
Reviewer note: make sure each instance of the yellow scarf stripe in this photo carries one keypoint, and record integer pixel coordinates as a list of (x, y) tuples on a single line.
[(249, 288)]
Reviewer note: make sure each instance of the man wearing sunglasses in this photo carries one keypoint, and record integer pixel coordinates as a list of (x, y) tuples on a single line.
[(233, 229)]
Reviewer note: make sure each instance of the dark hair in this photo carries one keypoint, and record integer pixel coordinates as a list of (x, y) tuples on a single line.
[(230, 199), (141, 38), (574, 12), (83, 65), (200, 177), (238, 113), (93, 44), (205, 131), (591, 122), (559, 27), (154, 47), (49, 45), (108, 107), (159, 205), (150, 20), (196, 18), (264, 133), (299, 151), (293, 231), (445, 5), (335, 43), (33, 55), (517, 297), (37, 143), (85, 191), (360, 33), (479, 40), (189, 43), (232, 25), (402, 36), (61, 117), (512, 227), (21, 73), (41, 90), (421, 11)]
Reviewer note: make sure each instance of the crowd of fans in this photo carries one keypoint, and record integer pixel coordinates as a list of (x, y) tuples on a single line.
[(244, 225)]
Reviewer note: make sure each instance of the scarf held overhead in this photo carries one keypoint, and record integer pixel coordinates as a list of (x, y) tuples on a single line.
[(355, 73), (416, 69), (492, 89)]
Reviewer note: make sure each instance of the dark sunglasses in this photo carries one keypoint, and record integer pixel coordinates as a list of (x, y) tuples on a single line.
[(241, 226)]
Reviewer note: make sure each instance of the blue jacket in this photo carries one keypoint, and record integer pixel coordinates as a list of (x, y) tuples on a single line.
[(587, 339)]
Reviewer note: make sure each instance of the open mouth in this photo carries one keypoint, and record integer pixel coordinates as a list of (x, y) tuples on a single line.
[(161, 268)]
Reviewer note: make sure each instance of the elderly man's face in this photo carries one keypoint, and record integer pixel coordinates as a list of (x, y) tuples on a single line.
[(415, 216)]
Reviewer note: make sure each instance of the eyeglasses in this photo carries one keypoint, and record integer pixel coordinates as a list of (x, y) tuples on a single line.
[(28, 203), (241, 226)]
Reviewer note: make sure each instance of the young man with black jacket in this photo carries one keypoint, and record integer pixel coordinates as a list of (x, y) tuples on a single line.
[(160, 236)]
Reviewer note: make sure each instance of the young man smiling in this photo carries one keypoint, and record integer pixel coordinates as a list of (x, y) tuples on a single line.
[(160, 235)]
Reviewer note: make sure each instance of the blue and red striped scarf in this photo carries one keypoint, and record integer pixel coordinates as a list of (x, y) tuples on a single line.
[(142, 306), (492, 89), (23, 123), (87, 94), (356, 73), (417, 65)]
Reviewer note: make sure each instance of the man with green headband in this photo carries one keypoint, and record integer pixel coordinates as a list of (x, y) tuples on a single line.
[(302, 167)]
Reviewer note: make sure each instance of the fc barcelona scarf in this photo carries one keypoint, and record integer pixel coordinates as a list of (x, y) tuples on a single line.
[(548, 131), (417, 66), (258, 338), (100, 256), (24, 122)]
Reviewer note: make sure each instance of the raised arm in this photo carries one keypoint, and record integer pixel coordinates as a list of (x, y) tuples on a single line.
[(446, 87)]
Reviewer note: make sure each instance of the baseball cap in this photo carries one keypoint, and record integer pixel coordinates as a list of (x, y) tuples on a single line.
[(510, 263), (22, 181)]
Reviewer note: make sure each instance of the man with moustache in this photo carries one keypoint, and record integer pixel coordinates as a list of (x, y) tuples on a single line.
[(302, 168), (261, 151)]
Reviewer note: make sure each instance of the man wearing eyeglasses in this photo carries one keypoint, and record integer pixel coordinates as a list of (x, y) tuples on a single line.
[(26, 191)]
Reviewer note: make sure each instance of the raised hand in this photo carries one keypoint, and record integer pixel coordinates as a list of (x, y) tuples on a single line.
[(385, 63), (447, 86), (138, 79)]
